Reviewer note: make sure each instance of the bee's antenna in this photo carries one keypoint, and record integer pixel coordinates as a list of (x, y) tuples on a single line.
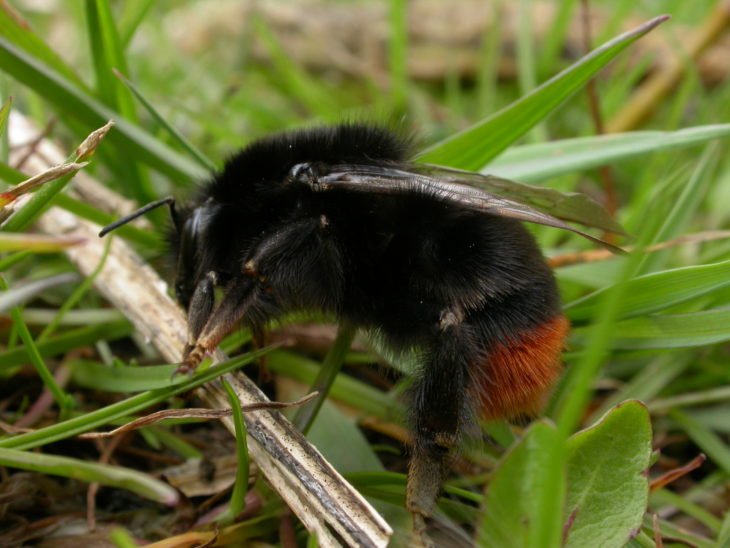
[(141, 211)]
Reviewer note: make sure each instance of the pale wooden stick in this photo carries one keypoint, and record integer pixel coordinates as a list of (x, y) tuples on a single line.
[(310, 486)]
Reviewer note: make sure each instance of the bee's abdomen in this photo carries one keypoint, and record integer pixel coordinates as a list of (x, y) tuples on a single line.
[(515, 376)]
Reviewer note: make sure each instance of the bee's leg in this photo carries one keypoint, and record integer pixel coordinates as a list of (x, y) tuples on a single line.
[(237, 298), (201, 306), (261, 339), (438, 411)]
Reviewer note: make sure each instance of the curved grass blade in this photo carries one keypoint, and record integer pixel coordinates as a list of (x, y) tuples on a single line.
[(113, 476), (70, 98), (654, 292), (474, 147), (538, 162), (18, 31), (671, 330), (240, 487), (179, 138)]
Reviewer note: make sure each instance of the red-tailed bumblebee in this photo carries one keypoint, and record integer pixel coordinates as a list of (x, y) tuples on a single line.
[(340, 220)]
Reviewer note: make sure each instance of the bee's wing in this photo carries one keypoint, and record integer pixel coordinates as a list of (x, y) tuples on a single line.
[(473, 190), (568, 206)]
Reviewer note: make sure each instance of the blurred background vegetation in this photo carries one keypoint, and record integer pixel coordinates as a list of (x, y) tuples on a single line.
[(225, 72)]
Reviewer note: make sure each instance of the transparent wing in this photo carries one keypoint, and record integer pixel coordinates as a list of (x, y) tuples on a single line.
[(473, 190)]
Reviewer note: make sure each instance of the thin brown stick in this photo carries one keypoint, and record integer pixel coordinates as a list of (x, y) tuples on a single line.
[(204, 414), (657, 533), (674, 475), (595, 255)]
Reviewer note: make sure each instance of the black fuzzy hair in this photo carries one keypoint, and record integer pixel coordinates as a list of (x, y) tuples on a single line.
[(271, 158)]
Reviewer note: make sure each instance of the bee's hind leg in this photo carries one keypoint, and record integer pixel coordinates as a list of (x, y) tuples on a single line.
[(439, 410)]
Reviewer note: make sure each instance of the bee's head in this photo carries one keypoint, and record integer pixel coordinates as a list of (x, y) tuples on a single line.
[(188, 246), (187, 239)]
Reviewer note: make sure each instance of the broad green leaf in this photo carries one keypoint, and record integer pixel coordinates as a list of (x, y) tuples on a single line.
[(510, 505), (538, 162), (66, 96), (653, 292), (113, 476), (608, 488), (474, 147), (671, 330)]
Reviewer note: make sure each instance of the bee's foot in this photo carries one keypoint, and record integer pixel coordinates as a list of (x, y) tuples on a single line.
[(192, 356)]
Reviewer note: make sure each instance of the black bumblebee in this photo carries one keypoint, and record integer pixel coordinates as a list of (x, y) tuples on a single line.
[(433, 260)]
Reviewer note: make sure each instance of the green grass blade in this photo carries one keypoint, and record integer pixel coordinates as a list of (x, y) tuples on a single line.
[(671, 330), (121, 379), (179, 138), (474, 147), (112, 476), (240, 487), (64, 401), (4, 113), (325, 378), (710, 443), (75, 297), (345, 388), (124, 408), (88, 212), (398, 55), (538, 162), (38, 203), (297, 81), (19, 32), (653, 292), (526, 68), (134, 13), (105, 86), (557, 34), (68, 98), (68, 341)]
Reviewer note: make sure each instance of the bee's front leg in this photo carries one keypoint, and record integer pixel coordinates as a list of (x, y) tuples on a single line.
[(208, 326)]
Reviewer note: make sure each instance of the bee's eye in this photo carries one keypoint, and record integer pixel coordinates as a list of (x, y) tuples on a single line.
[(301, 173)]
